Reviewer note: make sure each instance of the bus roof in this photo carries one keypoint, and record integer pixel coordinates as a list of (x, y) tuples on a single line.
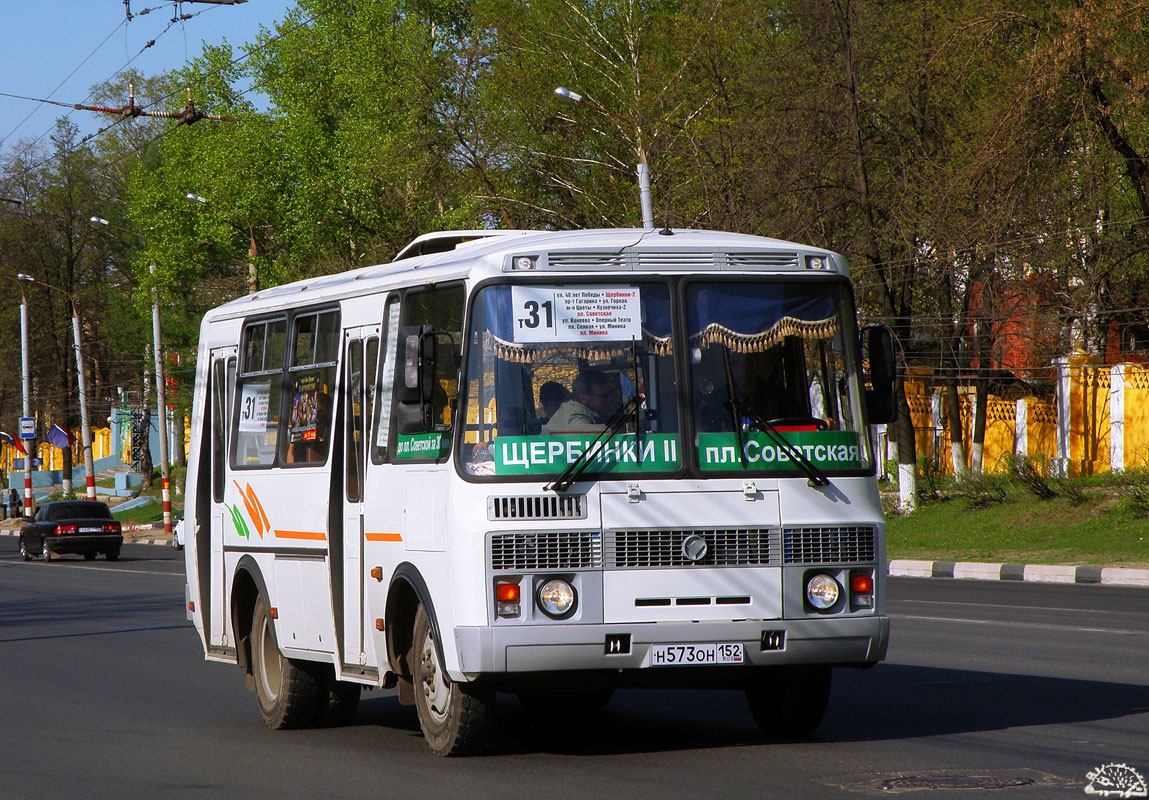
[(445, 255)]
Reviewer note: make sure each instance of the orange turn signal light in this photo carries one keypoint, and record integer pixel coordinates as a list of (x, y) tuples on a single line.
[(273, 612), (507, 592), (378, 624), (861, 584), (377, 573)]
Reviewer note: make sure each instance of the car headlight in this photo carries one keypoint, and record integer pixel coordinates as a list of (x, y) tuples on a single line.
[(557, 598), (822, 592)]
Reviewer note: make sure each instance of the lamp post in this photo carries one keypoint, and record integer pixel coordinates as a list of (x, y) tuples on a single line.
[(161, 401), (564, 93), (252, 272), (81, 380), (26, 386)]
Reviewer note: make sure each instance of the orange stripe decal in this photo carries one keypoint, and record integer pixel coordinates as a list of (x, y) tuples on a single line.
[(318, 536), (251, 512), (262, 513), (383, 537)]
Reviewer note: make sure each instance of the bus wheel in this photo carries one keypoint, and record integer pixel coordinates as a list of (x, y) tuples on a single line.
[(789, 702), (286, 691), (454, 716)]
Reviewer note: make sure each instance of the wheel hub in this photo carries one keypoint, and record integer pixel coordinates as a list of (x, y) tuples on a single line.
[(436, 689)]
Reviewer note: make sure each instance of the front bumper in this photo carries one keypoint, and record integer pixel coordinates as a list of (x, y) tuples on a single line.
[(83, 543), (546, 648)]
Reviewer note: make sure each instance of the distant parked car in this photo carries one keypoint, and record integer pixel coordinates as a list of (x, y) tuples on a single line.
[(178, 535), (72, 526)]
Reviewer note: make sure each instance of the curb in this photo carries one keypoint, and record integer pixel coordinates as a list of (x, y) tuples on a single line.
[(1033, 573)]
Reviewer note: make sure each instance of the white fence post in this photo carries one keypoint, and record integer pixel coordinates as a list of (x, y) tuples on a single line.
[(1117, 418)]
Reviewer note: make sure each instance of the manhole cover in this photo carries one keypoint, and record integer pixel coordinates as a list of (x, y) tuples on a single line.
[(925, 780), (908, 782)]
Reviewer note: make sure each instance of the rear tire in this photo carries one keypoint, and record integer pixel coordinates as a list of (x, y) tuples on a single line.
[(24, 554), (90, 556), (113, 555), (455, 717), (286, 690), (45, 551), (789, 702)]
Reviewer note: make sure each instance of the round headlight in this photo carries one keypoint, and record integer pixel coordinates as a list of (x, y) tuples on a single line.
[(556, 598), (822, 592)]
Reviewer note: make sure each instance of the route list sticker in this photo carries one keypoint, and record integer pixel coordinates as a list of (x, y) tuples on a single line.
[(576, 314)]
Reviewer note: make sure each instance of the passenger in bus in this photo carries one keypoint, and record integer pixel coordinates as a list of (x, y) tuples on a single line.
[(552, 394), (594, 398)]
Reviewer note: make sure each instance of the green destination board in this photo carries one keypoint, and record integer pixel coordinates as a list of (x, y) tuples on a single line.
[(422, 445), (524, 455), (824, 449)]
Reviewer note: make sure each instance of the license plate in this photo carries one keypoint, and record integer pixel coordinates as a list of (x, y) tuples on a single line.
[(694, 655), (91, 530)]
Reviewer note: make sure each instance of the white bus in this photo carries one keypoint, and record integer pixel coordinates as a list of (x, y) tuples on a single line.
[(547, 463)]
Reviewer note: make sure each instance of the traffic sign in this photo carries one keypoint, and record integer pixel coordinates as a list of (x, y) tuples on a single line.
[(27, 427)]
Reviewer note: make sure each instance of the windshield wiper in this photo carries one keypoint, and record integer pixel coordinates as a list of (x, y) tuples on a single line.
[(577, 467), (739, 409)]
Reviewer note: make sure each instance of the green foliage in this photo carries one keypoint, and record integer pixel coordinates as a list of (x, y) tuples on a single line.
[(1032, 472)]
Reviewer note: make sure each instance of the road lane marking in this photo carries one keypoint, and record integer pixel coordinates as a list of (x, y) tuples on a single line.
[(1015, 624)]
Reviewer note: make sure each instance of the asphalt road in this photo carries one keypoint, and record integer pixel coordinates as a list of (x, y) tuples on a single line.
[(104, 693)]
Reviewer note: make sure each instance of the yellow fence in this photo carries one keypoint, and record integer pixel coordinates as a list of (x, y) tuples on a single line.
[(1100, 399)]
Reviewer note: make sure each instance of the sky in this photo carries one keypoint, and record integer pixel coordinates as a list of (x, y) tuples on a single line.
[(59, 49)]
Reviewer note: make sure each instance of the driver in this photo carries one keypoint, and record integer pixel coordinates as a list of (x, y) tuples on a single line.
[(594, 399)]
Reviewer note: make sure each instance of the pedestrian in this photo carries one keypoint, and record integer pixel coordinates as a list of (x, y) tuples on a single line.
[(13, 503)]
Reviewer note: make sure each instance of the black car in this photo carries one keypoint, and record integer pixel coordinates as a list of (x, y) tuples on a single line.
[(72, 526)]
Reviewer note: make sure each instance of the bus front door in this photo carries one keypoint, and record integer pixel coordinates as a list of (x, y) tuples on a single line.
[(361, 357)]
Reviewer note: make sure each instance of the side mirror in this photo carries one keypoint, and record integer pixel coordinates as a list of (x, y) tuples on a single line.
[(880, 398), (418, 353)]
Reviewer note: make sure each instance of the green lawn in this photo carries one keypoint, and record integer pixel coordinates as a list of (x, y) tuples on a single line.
[(1107, 529)]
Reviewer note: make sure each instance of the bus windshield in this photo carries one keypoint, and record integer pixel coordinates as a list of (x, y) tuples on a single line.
[(556, 370), (551, 366), (773, 361)]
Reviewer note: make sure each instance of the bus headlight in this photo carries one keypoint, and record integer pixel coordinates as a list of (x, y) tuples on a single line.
[(822, 592), (557, 598)]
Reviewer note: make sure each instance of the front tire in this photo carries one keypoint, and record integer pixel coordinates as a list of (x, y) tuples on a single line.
[(455, 717), (789, 702), (286, 691)]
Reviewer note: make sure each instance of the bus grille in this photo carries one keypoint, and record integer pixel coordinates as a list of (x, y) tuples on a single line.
[(521, 552), (828, 545), (529, 507), (737, 547)]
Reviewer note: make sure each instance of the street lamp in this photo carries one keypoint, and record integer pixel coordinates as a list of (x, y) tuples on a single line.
[(252, 273), (26, 386), (564, 93), (85, 428), (161, 401)]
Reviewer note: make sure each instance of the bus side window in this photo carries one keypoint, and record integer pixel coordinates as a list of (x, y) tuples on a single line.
[(385, 385), (311, 387), (258, 388), (355, 412), (442, 310)]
